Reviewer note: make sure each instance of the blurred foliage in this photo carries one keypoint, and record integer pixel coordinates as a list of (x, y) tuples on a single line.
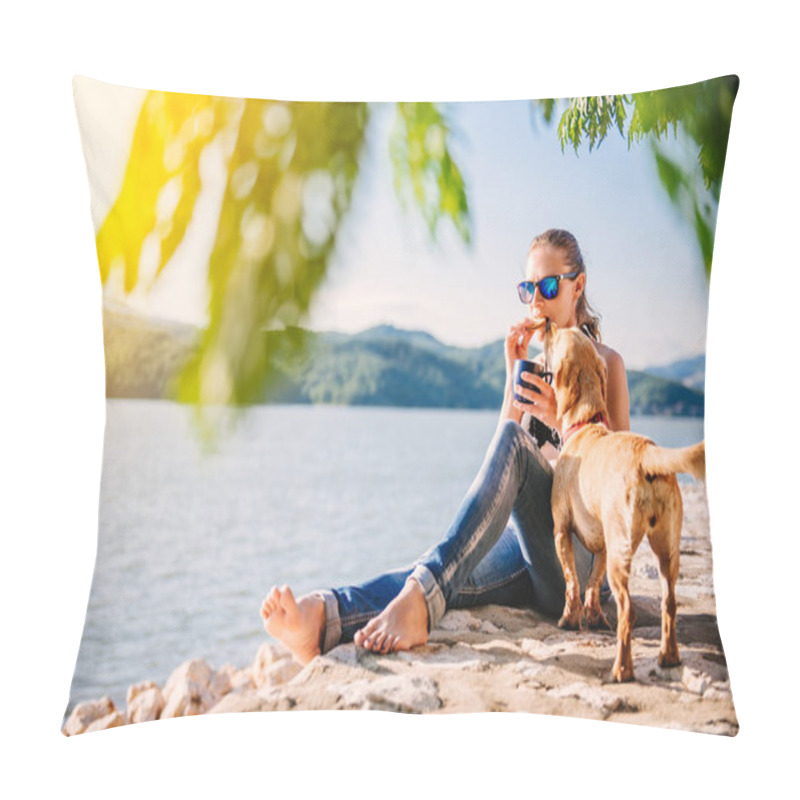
[(291, 169), (702, 111), (424, 168)]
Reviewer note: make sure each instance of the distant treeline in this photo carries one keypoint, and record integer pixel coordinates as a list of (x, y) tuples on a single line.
[(383, 366)]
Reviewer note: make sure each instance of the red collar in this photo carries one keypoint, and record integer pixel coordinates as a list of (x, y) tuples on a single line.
[(598, 419)]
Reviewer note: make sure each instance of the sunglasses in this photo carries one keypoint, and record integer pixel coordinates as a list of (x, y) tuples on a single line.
[(548, 287)]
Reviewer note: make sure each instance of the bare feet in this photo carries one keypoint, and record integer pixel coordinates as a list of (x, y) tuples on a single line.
[(403, 624), (296, 623)]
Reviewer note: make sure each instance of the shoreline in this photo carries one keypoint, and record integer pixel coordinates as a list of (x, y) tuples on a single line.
[(484, 659)]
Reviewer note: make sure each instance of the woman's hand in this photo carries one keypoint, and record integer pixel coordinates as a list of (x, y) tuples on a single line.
[(516, 346), (542, 404), (517, 340)]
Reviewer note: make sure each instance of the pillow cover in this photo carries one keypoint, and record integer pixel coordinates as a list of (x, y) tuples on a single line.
[(304, 315)]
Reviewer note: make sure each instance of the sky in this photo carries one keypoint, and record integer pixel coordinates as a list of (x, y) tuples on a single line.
[(645, 271)]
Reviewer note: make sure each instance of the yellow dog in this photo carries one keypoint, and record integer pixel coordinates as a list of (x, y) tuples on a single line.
[(612, 489)]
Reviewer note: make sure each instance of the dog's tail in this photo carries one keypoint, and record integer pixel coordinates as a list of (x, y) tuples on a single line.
[(667, 460)]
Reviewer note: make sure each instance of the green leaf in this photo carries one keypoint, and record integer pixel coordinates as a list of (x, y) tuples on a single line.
[(425, 172)]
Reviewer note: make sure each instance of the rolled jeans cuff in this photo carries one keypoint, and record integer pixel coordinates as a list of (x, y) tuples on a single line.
[(434, 598), (332, 629)]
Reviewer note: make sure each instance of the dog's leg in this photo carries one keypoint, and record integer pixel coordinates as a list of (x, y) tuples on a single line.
[(619, 568), (571, 618), (595, 618), (667, 550)]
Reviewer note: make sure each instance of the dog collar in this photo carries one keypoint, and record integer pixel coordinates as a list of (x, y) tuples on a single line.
[(598, 419)]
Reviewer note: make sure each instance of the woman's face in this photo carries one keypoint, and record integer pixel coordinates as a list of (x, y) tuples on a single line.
[(543, 262)]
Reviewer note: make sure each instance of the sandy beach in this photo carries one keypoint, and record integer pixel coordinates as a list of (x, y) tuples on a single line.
[(485, 659)]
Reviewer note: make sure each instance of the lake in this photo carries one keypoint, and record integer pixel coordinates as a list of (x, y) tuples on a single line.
[(312, 496)]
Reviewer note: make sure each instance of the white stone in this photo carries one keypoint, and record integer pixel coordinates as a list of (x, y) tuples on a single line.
[(84, 714), (137, 688), (187, 698), (145, 705), (392, 693), (281, 672), (603, 701), (196, 670), (459, 620), (221, 682), (187, 691), (269, 655), (242, 680), (695, 682), (112, 720)]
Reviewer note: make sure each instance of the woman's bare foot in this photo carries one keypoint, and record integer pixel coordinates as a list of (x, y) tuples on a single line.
[(403, 624), (296, 623)]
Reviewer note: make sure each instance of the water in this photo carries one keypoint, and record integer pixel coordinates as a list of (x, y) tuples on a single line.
[(310, 496)]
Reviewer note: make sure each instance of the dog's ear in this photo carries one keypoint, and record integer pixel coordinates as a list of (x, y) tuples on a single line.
[(602, 373), (567, 386), (549, 337)]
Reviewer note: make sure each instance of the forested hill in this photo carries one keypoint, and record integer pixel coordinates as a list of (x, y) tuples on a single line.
[(381, 366)]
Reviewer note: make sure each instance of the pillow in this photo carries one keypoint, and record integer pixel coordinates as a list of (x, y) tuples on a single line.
[(304, 314)]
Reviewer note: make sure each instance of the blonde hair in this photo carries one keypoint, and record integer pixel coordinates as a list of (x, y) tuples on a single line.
[(588, 318)]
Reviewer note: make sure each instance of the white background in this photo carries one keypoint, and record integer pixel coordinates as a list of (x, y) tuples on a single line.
[(53, 406)]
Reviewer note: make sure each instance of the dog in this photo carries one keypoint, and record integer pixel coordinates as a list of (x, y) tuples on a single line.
[(611, 490)]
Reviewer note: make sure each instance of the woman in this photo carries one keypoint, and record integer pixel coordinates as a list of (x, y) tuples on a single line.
[(500, 547)]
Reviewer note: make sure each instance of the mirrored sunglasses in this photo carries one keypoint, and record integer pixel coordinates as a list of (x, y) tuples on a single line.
[(548, 287)]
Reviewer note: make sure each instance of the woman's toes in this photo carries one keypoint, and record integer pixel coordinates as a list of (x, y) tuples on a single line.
[(363, 636), (287, 597), (270, 602)]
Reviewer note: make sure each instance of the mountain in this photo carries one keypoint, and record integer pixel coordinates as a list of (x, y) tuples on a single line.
[(143, 353), (690, 372), (386, 366), (382, 366), (650, 394)]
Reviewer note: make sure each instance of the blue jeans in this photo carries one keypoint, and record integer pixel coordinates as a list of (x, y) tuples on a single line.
[(500, 548)]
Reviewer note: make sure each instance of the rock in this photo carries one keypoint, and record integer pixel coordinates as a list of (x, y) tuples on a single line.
[(273, 665), (599, 699), (187, 691), (221, 682), (145, 704), (281, 672), (695, 682), (196, 670), (187, 699), (241, 681), (85, 714), (458, 620), (412, 695), (137, 688), (112, 720)]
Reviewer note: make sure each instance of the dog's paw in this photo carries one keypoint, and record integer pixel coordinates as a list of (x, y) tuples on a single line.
[(622, 674), (666, 660), (570, 622), (597, 620)]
